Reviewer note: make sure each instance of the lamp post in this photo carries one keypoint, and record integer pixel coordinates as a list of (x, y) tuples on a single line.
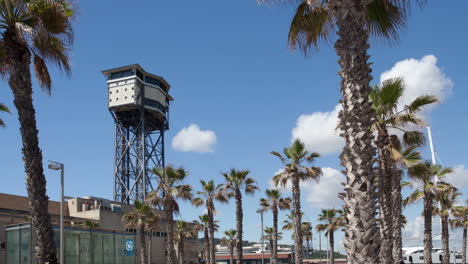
[(59, 166), (260, 211)]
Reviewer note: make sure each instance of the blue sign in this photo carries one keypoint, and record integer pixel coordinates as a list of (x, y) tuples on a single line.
[(129, 246)]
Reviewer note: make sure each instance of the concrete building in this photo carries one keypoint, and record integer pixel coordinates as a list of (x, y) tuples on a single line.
[(83, 244)]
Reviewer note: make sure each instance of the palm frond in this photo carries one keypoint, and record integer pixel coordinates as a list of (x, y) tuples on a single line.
[(421, 101)]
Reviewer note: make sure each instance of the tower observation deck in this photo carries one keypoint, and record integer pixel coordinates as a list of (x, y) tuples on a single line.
[(139, 103)]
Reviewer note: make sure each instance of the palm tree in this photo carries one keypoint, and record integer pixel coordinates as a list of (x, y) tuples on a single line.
[(203, 225), (386, 102), (313, 24), (333, 220), (446, 202), (424, 174), (211, 193), (38, 32), (275, 202), (307, 235), (142, 219), (271, 235), (183, 231), (236, 180), (295, 172), (461, 221), (3, 108), (230, 242), (165, 195)]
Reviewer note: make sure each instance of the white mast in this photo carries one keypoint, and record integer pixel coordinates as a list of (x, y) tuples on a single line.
[(431, 145)]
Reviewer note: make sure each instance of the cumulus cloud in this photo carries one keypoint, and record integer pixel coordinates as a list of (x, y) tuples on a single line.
[(422, 77), (193, 139), (322, 194), (459, 177), (318, 131)]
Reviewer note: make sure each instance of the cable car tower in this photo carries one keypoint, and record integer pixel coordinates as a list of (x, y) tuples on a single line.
[(139, 103)]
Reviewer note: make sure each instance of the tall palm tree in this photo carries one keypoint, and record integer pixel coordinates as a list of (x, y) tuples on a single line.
[(209, 194), (275, 202), (445, 202), (461, 221), (312, 25), (230, 242), (168, 190), (295, 172), (142, 219), (202, 225), (386, 102), (271, 235), (3, 108), (34, 32), (236, 181), (183, 231), (333, 220), (424, 175)]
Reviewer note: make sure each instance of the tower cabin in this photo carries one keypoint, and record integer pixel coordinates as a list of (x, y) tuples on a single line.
[(138, 98)]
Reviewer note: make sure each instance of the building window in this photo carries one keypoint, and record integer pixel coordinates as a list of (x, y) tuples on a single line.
[(122, 74)]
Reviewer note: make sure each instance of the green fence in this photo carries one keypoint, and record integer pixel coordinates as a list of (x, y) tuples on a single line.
[(82, 246)]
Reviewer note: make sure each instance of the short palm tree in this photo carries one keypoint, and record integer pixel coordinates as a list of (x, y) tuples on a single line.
[(202, 225), (460, 220), (3, 108), (424, 175), (37, 32), (236, 182), (332, 220), (445, 202), (142, 219), (271, 235), (307, 234), (230, 242), (354, 22), (386, 102), (295, 172), (168, 190), (183, 231), (275, 202), (209, 194)]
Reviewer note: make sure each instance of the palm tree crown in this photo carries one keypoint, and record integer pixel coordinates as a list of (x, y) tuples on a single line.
[(3, 108)]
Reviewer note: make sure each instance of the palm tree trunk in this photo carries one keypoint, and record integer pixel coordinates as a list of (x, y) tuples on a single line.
[(271, 248), (231, 253), (298, 247), (181, 251), (20, 83), (445, 240), (150, 248), (464, 244), (211, 229), (385, 191), (239, 219), (396, 215), (427, 228), (171, 254), (141, 237), (274, 246), (332, 247), (207, 246), (362, 239)]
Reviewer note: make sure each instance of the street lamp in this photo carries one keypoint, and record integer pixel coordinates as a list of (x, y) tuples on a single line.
[(59, 166), (260, 211)]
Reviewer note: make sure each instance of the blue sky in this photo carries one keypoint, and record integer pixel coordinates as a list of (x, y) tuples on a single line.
[(231, 73)]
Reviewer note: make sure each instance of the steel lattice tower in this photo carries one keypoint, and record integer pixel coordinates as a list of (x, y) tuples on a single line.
[(139, 103)]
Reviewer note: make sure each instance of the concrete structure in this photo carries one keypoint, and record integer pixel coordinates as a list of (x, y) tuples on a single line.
[(107, 214)]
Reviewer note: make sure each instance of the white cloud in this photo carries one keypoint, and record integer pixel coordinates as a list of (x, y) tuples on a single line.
[(324, 194), (193, 139), (459, 177), (318, 131), (422, 77)]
